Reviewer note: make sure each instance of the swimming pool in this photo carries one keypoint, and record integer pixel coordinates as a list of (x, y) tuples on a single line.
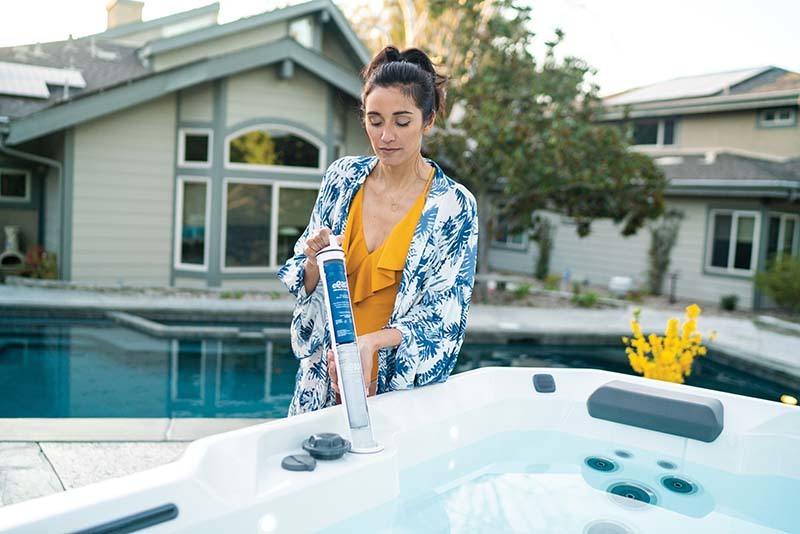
[(484, 452), (94, 368)]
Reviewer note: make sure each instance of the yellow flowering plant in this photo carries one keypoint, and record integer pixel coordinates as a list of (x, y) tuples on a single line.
[(668, 357)]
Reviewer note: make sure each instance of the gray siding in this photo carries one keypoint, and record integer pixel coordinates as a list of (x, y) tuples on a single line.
[(601, 255), (223, 45), (518, 261), (355, 141), (197, 104), (334, 48), (260, 93), (687, 258), (122, 203), (193, 283), (606, 253)]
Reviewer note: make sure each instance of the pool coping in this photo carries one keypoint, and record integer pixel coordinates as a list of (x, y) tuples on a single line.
[(86, 429)]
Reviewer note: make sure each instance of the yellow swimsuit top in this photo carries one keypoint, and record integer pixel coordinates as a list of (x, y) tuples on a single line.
[(374, 276)]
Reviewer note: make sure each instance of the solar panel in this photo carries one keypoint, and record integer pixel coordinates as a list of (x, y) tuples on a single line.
[(687, 87), (18, 79)]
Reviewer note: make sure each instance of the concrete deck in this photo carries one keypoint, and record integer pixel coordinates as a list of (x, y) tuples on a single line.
[(41, 457)]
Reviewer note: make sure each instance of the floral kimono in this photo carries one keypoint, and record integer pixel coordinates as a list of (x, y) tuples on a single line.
[(432, 299)]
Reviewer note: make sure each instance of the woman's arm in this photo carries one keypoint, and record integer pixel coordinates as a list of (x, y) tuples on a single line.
[(308, 331)]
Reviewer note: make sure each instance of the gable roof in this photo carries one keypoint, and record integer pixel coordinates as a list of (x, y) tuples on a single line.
[(740, 89), (153, 85), (117, 77), (141, 26), (102, 63), (325, 7)]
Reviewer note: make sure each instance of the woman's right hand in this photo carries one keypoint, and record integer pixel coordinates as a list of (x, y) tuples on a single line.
[(318, 240)]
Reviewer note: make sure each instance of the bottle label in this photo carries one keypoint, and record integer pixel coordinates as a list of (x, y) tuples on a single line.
[(339, 301)]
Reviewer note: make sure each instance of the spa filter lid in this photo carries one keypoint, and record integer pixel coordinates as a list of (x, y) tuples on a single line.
[(326, 446)]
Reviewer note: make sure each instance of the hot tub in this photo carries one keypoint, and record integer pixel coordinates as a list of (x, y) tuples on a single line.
[(492, 450)]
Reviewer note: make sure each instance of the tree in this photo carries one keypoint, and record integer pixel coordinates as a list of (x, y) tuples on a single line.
[(520, 134), (523, 136), (663, 236)]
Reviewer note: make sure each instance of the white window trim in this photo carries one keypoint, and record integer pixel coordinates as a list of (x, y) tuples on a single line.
[(782, 231), (175, 352), (323, 151), (660, 134), (735, 216), (776, 123), (506, 244), (276, 185), (179, 224), (182, 147), (27, 197)]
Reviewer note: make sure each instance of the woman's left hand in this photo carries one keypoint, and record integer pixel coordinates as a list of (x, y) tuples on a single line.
[(366, 349)]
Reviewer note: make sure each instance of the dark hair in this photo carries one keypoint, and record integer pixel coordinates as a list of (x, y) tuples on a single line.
[(413, 72)]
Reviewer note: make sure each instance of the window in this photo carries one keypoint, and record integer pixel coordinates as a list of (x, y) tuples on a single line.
[(191, 242), (783, 234), (279, 147), (194, 148), (654, 132), (502, 237), (262, 220), (733, 241), (15, 186), (294, 210), (770, 118), (247, 207)]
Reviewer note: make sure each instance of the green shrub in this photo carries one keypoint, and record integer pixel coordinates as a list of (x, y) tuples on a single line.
[(231, 295), (552, 282), (781, 281), (728, 302), (522, 290), (585, 300)]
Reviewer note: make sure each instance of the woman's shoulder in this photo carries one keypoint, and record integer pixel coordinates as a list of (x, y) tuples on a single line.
[(348, 168), (457, 195)]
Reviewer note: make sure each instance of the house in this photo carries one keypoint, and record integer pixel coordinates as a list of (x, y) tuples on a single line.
[(177, 151), (729, 144)]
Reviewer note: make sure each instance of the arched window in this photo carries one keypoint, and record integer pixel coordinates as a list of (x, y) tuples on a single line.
[(275, 146)]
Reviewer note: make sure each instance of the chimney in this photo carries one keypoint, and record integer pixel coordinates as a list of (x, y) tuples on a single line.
[(121, 12)]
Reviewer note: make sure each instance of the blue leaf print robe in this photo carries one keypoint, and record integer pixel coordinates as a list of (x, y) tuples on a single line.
[(432, 300)]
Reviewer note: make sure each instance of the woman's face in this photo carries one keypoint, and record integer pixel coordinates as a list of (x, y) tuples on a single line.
[(394, 125)]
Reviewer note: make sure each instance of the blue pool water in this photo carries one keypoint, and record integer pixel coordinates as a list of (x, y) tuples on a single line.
[(96, 368), (540, 482)]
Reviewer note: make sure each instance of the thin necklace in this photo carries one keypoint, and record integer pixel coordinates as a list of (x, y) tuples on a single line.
[(395, 204)]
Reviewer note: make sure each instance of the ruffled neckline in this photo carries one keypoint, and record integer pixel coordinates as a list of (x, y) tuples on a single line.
[(370, 272)]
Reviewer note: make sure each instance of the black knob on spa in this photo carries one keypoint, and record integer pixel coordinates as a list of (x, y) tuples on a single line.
[(326, 446)]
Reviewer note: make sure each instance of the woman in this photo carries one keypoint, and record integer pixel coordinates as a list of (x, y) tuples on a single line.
[(410, 236)]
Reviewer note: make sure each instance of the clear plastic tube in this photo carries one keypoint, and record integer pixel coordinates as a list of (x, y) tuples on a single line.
[(341, 325)]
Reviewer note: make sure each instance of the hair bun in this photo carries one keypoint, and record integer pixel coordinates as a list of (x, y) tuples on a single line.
[(419, 58), (388, 55)]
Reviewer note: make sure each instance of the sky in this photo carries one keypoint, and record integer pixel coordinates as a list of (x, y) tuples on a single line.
[(630, 42)]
